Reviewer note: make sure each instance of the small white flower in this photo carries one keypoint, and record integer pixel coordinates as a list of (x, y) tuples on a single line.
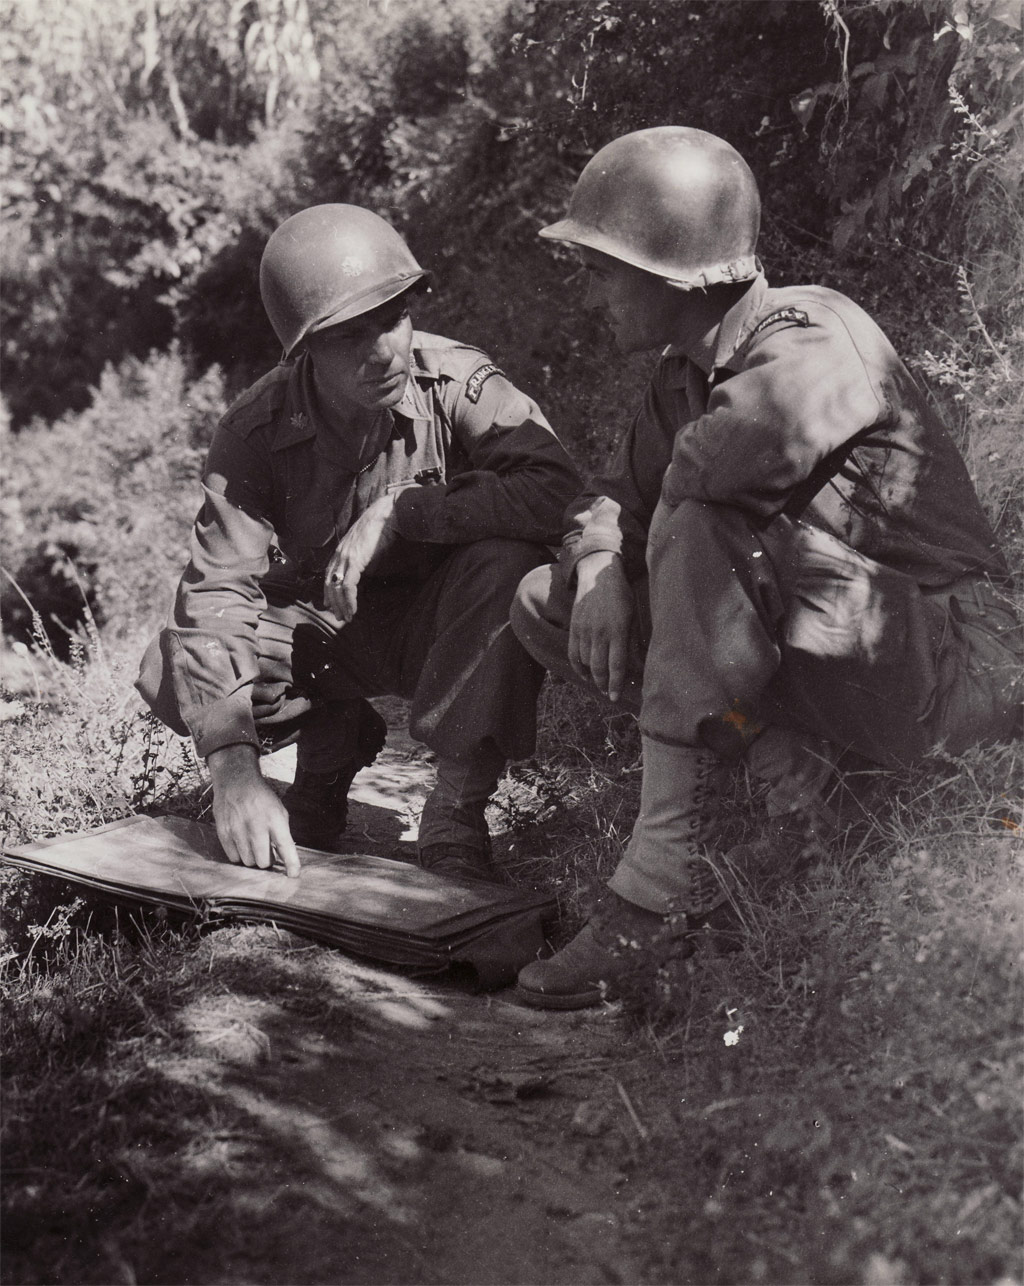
[(732, 1037)]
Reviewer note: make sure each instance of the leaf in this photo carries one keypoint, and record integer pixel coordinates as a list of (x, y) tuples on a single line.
[(874, 90), (1010, 13)]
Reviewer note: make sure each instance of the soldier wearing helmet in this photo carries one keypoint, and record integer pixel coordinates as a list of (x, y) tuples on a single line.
[(369, 507), (785, 562)]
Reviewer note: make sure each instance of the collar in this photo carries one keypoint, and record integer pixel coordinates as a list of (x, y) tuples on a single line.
[(739, 321), (413, 403), (303, 421), (733, 330)]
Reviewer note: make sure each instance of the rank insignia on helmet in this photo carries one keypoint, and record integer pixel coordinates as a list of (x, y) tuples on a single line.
[(477, 380), (792, 315)]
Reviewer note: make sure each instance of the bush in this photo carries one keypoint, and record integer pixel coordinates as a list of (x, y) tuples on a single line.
[(100, 505)]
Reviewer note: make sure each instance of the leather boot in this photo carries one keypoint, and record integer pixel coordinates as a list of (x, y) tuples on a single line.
[(317, 802), (607, 951), (668, 863), (458, 861), (666, 887), (453, 838)]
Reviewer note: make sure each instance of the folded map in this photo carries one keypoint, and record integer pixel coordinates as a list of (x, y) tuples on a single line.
[(375, 908)]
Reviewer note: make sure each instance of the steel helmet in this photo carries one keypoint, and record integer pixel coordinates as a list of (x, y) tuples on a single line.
[(677, 202), (328, 264)]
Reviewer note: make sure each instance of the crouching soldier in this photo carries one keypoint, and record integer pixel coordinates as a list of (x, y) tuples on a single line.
[(786, 560), (370, 506)]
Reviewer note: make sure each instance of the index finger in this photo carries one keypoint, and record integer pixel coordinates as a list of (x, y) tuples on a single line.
[(284, 846), (617, 651)]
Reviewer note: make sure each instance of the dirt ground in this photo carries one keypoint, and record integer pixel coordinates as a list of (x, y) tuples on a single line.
[(440, 1136)]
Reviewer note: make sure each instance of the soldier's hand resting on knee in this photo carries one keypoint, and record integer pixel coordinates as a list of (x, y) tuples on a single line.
[(599, 627), (252, 824), (368, 536)]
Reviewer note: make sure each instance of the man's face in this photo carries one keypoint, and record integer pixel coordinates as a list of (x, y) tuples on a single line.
[(641, 309), (364, 362)]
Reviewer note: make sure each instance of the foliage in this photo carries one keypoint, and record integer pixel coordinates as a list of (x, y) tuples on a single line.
[(150, 148), (110, 235), (102, 532)]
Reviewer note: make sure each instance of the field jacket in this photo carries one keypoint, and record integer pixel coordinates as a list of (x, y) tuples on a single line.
[(807, 412), (469, 454)]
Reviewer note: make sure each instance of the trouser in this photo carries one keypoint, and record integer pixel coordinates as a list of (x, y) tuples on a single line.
[(442, 641), (788, 626)]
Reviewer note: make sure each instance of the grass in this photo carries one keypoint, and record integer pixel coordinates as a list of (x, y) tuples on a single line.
[(843, 1096), (837, 1103)]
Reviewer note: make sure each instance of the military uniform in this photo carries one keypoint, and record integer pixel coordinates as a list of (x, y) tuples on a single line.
[(251, 655), (811, 566), (807, 541)]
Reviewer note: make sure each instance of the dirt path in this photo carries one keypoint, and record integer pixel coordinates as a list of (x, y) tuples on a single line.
[(414, 1133)]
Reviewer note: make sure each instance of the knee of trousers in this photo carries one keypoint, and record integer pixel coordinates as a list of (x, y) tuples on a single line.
[(156, 687), (693, 523), (502, 561), (540, 614), (698, 553)]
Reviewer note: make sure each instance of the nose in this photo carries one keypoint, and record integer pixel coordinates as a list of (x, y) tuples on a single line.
[(381, 350)]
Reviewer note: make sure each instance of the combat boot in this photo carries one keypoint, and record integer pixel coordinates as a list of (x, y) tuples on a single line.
[(666, 890), (609, 951), (317, 802), (458, 861), (453, 838)]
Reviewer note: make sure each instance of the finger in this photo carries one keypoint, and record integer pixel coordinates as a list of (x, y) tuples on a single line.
[(617, 650), (227, 843), (260, 849), (599, 667), (334, 597), (576, 647), (284, 846), (349, 596)]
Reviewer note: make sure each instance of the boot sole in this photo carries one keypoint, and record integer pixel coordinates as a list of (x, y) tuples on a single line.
[(555, 1000)]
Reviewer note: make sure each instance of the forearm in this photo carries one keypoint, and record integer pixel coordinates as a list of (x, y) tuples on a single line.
[(518, 487), (210, 642), (600, 525), (232, 765)]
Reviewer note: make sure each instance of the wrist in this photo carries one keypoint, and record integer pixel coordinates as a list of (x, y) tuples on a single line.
[(591, 565), (232, 762)]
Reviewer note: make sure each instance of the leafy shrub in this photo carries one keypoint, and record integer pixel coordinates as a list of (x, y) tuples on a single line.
[(102, 502)]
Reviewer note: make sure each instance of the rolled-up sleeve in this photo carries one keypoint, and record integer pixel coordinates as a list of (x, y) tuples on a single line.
[(210, 641)]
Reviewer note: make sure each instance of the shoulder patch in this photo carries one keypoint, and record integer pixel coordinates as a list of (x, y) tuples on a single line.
[(794, 316), (478, 379)]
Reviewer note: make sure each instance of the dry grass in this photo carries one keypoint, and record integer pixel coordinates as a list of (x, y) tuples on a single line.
[(847, 1102), (861, 1124)]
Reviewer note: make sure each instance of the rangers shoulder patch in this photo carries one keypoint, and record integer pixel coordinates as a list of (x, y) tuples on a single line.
[(478, 379), (794, 316)]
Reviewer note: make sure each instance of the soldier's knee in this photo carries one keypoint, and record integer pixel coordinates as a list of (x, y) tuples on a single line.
[(156, 688), (500, 564), (530, 600), (696, 518)]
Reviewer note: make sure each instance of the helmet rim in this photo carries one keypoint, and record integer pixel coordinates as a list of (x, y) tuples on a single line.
[(366, 302), (329, 263), (671, 200), (570, 232)]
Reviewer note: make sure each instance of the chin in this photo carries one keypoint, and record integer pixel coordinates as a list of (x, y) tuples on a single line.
[(385, 401)]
